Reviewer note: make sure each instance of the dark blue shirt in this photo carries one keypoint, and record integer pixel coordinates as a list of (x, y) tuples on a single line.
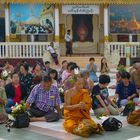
[(125, 91)]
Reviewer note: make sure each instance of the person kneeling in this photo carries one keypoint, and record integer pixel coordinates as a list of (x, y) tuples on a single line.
[(77, 107), (42, 102), (126, 90), (101, 103)]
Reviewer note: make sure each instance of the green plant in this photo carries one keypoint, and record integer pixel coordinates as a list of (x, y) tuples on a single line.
[(131, 104), (121, 68)]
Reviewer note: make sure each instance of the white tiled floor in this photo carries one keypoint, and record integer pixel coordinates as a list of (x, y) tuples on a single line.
[(58, 126)]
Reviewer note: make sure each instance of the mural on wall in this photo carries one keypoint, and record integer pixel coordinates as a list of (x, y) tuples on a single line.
[(125, 19), (31, 19), (82, 28)]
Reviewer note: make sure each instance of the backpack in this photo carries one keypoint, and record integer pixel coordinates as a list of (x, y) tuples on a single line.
[(112, 124)]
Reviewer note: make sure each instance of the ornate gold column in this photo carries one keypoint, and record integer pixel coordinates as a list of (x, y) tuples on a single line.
[(106, 22), (56, 23), (7, 23), (128, 51)]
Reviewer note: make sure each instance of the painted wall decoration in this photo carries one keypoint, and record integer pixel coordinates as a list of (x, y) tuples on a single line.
[(82, 27), (125, 19), (31, 19)]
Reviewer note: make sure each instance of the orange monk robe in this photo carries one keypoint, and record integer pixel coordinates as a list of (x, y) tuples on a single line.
[(74, 117)]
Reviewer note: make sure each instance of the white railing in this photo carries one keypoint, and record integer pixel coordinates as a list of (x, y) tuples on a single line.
[(121, 47), (23, 49), (36, 49)]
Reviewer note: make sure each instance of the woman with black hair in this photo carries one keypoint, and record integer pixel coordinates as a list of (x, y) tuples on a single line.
[(37, 70), (69, 82), (66, 72), (92, 69), (54, 76), (25, 77), (104, 66)]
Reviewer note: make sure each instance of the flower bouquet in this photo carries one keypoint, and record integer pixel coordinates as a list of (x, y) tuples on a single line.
[(5, 75), (18, 109), (61, 92)]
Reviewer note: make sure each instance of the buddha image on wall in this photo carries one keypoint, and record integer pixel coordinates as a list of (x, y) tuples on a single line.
[(82, 28)]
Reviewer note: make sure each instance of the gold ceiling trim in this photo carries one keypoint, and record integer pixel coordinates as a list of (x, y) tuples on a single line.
[(30, 1), (99, 1), (74, 1)]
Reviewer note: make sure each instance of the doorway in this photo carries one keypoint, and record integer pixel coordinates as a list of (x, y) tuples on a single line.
[(2, 30)]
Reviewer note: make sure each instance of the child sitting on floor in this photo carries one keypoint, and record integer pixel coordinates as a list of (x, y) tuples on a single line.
[(101, 102)]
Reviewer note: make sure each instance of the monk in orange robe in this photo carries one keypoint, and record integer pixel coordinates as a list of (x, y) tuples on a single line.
[(77, 108)]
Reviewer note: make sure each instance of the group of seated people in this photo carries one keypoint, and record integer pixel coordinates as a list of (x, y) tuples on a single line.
[(39, 88)]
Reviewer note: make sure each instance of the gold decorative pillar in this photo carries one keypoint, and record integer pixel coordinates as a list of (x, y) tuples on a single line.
[(106, 23), (128, 54), (57, 23), (128, 51), (106, 31), (7, 23)]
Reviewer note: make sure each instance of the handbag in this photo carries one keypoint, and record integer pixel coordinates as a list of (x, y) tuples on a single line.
[(112, 124), (21, 121)]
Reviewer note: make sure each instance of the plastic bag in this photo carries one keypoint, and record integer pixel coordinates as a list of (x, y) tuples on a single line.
[(87, 127)]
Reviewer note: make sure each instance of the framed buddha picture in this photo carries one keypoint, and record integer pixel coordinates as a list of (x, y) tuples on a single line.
[(82, 27)]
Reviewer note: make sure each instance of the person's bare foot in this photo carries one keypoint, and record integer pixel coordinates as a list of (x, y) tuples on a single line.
[(37, 119), (33, 119)]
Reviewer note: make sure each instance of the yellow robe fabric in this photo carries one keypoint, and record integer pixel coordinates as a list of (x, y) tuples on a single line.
[(74, 117)]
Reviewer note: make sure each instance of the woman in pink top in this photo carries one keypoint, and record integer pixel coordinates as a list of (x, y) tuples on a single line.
[(66, 73)]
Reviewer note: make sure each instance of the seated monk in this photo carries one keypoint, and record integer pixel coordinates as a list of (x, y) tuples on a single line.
[(77, 109)]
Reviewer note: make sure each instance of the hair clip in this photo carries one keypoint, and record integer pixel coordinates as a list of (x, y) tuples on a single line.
[(76, 71)]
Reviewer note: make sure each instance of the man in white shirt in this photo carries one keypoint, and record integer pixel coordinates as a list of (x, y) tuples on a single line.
[(53, 53), (51, 49), (68, 40)]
